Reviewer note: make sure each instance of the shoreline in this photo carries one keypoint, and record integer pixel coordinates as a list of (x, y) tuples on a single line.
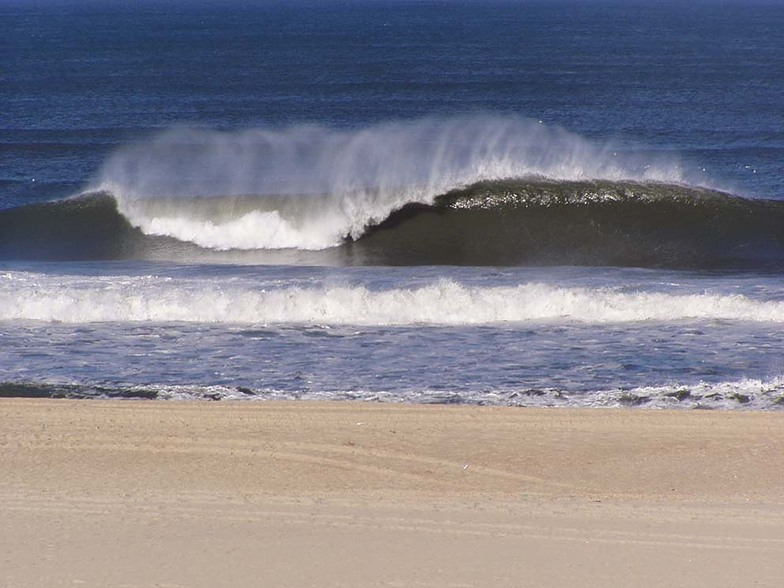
[(308, 493)]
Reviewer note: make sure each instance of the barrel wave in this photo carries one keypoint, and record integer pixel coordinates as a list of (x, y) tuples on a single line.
[(508, 222)]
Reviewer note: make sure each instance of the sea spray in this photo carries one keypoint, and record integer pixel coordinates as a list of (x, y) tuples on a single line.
[(325, 184)]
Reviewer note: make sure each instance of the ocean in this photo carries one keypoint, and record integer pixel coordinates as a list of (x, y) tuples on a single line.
[(565, 203)]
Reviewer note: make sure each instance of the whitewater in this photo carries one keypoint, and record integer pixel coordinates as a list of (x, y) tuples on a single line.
[(150, 298)]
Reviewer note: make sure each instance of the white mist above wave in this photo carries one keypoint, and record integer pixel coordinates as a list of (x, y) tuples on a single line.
[(26, 296), (336, 182)]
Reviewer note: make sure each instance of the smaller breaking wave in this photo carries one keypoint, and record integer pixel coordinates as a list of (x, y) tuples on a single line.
[(25, 296)]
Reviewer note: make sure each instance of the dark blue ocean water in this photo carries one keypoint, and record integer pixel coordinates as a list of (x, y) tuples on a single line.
[(699, 79), (229, 149)]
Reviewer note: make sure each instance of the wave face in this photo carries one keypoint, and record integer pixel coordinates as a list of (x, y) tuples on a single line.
[(542, 222), (88, 227)]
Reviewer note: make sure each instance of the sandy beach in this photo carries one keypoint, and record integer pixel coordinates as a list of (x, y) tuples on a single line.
[(142, 494)]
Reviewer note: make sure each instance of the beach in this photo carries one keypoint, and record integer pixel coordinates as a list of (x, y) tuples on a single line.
[(123, 493)]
